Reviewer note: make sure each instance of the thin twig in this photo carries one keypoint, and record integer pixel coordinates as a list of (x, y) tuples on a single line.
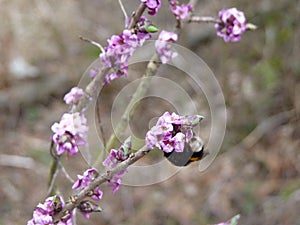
[(92, 90), (137, 15), (92, 42), (128, 113), (203, 19), (105, 176), (67, 175), (123, 9)]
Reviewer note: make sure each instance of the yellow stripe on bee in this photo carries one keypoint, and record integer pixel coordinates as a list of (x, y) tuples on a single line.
[(193, 159)]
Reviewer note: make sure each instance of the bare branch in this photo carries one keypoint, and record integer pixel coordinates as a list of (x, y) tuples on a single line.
[(141, 90), (92, 90), (137, 15), (105, 176), (67, 175)]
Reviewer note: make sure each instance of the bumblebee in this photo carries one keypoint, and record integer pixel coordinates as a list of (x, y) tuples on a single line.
[(193, 151)]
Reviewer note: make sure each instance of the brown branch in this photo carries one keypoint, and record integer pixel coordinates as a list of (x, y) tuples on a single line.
[(105, 176), (137, 15), (92, 90), (141, 90)]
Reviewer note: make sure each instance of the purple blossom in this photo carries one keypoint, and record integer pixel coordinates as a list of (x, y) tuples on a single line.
[(162, 45), (93, 72), (171, 132), (69, 133), (232, 24), (152, 5), (120, 48), (85, 180), (181, 12), (43, 214), (141, 29), (73, 96), (115, 157), (116, 181)]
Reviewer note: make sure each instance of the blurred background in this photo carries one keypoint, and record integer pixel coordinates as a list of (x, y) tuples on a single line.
[(256, 174)]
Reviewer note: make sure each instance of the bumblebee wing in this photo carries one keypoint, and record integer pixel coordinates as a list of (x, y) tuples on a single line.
[(180, 158)]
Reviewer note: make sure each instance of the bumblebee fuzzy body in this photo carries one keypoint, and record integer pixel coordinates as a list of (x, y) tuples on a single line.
[(193, 151)]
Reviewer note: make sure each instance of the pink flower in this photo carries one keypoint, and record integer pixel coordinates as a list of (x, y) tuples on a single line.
[(171, 132), (69, 133), (232, 24), (152, 5), (115, 157), (85, 180), (120, 48), (116, 181), (93, 72), (73, 96), (44, 212), (181, 12), (178, 141), (162, 45)]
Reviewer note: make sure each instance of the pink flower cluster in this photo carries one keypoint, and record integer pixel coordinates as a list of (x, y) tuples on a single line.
[(171, 132), (43, 214), (152, 5), (120, 48), (181, 12), (232, 24), (115, 157), (163, 47), (82, 182), (73, 96), (69, 133)]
